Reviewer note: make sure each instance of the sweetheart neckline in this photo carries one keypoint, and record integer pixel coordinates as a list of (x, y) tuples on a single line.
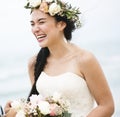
[(59, 75)]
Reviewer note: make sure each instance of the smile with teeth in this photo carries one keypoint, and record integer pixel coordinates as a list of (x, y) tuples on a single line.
[(41, 36)]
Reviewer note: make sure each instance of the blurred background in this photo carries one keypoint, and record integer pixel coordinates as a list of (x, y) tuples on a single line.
[(100, 34)]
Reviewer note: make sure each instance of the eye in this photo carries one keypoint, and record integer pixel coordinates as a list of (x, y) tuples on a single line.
[(32, 24), (41, 22)]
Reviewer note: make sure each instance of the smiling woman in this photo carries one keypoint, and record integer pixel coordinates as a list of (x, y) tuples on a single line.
[(100, 42), (51, 70)]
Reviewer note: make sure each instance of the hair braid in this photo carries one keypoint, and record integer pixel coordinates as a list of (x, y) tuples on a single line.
[(39, 66)]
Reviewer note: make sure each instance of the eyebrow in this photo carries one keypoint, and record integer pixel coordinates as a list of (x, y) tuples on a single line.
[(38, 20)]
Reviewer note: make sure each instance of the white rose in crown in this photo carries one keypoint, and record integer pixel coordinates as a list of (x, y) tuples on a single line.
[(34, 3), (54, 9), (49, 0)]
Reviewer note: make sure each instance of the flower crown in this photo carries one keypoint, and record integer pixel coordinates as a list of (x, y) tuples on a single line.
[(56, 7)]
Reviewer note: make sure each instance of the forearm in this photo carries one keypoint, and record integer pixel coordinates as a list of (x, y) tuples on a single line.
[(101, 111)]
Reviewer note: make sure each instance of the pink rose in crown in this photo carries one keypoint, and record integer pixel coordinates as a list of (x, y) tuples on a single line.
[(44, 7)]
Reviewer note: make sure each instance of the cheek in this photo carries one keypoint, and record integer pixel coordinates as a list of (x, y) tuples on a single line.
[(32, 30), (51, 29)]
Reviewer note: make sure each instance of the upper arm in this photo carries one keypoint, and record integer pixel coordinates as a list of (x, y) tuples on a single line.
[(96, 80), (31, 66)]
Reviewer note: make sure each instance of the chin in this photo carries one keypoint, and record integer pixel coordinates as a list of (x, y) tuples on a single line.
[(42, 45)]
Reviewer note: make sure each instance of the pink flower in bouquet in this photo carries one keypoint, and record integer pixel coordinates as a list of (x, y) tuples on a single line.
[(55, 109)]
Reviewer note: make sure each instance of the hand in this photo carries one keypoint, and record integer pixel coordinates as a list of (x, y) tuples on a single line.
[(9, 111), (7, 107)]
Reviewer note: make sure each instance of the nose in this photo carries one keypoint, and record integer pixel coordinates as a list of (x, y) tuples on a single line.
[(35, 29)]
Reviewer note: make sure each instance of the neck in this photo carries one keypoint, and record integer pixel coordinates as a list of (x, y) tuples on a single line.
[(60, 49)]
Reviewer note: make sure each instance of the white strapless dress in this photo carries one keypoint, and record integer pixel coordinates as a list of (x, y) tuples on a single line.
[(72, 87)]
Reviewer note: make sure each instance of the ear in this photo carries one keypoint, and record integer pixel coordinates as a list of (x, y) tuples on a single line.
[(61, 25)]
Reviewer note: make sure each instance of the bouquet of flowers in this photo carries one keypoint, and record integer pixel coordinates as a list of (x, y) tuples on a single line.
[(39, 106)]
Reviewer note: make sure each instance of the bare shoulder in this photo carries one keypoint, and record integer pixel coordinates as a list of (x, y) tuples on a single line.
[(32, 61), (86, 61), (84, 56), (89, 65), (87, 56), (31, 65)]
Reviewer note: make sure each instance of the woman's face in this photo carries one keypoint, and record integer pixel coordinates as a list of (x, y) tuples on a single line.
[(45, 28)]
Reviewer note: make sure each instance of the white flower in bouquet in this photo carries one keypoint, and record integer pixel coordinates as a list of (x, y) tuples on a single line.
[(35, 99), (58, 99), (20, 113), (16, 105), (56, 96), (44, 107), (19, 106)]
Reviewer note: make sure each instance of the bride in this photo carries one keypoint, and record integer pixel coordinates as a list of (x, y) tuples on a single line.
[(61, 66)]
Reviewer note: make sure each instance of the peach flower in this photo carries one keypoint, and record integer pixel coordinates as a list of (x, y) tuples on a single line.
[(44, 7)]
